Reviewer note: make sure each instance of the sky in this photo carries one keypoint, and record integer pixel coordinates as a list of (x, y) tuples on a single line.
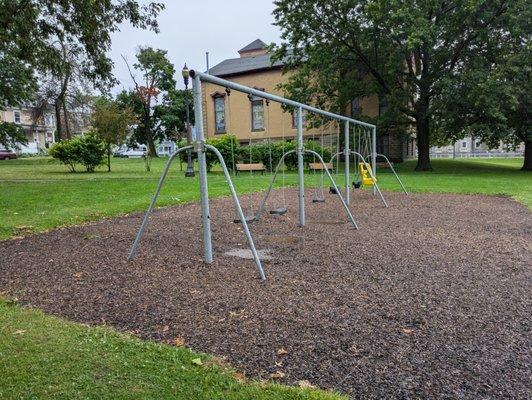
[(189, 28)]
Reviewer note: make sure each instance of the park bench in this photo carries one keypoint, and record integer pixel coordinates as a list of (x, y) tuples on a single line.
[(383, 165), (319, 166), (251, 167)]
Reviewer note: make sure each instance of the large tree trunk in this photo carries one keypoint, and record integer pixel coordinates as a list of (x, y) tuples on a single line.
[(108, 157), (151, 146), (58, 126), (65, 113), (527, 162), (423, 144)]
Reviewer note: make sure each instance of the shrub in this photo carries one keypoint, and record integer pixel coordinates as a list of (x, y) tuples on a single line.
[(87, 150), (65, 153)]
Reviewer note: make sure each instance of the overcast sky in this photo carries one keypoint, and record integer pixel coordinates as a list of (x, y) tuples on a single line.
[(190, 28)]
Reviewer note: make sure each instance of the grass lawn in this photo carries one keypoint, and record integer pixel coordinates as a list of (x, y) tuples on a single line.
[(38, 194), (43, 357)]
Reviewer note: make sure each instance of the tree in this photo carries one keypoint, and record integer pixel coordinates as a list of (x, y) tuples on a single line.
[(111, 124), (29, 31), (157, 77), (405, 52), (493, 100), (11, 134)]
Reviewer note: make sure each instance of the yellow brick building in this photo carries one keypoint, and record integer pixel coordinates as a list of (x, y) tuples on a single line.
[(253, 119)]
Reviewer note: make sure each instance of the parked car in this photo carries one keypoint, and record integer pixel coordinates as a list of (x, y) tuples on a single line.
[(133, 153), (7, 154)]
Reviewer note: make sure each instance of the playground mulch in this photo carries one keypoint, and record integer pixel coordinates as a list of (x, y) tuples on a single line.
[(429, 299)]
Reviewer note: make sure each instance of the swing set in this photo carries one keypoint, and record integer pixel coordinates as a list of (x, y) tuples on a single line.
[(201, 147)]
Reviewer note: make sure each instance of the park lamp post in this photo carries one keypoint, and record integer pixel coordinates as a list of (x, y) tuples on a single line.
[(190, 166)]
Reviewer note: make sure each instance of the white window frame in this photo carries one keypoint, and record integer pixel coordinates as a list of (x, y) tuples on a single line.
[(15, 113)]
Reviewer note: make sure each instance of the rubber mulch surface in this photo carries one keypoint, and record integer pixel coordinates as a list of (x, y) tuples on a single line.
[(429, 299)]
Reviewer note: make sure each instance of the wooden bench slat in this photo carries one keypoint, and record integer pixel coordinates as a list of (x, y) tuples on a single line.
[(250, 167), (319, 166)]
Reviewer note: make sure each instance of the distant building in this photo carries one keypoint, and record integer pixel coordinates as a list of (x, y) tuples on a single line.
[(253, 119), (39, 130), (470, 147)]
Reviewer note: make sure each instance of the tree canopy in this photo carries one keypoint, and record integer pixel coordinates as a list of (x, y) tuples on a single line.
[(411, 54), (31, 29)]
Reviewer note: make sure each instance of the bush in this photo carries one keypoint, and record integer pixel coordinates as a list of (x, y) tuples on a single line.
[(87, 150), (228, 146)]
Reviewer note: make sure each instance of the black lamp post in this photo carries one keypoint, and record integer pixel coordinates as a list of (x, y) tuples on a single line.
[(190, 166)]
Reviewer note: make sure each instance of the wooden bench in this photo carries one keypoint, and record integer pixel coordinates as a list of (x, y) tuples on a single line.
[(317, 166), (250, 167), (383, 165)]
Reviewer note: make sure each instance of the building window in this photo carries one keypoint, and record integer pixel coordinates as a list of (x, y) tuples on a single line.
[(16, 117), (219, 114), (477, 144), (464, 144), (356, 109), (49, 120), (257, 115), (294, 118)]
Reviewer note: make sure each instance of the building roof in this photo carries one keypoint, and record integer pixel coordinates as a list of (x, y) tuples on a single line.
[(255, 45), (242, 65)]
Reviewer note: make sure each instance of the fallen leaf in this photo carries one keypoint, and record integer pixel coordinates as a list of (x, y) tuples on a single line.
[(239, 376), (277, 375), (78, 275), (180, 342), (19, 332), (166, 328), (355, 349), (282, 351), (305, 384), (196, 361), (278, 364), (408, 331)]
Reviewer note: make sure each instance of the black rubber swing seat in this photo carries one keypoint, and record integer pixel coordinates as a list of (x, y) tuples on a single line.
[(279, 211), (332, 190), (318, 200), (249, 220), (357, 184)]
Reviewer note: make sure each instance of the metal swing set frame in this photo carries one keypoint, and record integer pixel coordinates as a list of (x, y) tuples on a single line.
[(200, 147)]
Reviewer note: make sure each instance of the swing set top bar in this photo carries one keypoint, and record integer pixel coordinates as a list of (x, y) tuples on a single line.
[(265, 95)]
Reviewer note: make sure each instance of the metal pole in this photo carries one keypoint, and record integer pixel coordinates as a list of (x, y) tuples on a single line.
[(336, 188), (346, 156), (239, 211), (190, 166), (300, 167), (374, 153), (204, 191), (278, 99), (152, 203), (395, 173)]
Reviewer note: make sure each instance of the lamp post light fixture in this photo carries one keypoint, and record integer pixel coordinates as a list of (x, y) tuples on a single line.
[(190, 166)]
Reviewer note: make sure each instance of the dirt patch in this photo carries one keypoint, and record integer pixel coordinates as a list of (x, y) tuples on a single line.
[(429, 299)]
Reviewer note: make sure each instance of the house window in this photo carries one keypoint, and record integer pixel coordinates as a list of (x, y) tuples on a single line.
[(257, 115), (356, 109), (16, 116), (477, 144), (464, 144), (219, 114), (49, 120)]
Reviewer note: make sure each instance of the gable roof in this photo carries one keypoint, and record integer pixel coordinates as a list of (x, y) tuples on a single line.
[(255, 45), (242, 65)]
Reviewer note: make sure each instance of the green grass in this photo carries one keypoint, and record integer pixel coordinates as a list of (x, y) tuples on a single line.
[(43, 357), (38, 194)]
